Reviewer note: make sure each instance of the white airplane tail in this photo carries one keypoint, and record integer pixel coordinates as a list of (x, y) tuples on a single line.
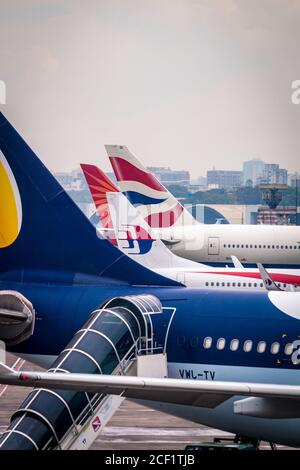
[(126, 227), (156, 204)]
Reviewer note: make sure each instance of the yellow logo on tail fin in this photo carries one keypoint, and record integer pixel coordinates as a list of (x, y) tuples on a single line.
[(10, 205)]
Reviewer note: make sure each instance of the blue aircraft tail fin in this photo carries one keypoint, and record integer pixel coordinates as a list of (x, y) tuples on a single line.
[(42, 229)]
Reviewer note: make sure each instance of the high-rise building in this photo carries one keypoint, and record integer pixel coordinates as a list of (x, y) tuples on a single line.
[(270, 173), (225, 179), (282, 176), (273, 174), (257, 172), (252, 171)]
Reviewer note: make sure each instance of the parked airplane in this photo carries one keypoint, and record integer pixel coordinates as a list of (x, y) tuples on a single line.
[(125, 227), (274, 246), (76, 303)]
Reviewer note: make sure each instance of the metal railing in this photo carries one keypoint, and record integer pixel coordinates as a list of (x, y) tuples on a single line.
[(134, 351)]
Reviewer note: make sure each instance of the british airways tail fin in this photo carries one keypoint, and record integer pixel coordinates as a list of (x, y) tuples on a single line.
[(157, 205), (42, 229), (130, 230)]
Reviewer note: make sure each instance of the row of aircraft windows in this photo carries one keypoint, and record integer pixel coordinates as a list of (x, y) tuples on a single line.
[(234, 284), (272, 247), (240, 284), (247, 345)]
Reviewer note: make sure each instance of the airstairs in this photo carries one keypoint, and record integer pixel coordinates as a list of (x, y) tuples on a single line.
[(117, 339), (90, 425)]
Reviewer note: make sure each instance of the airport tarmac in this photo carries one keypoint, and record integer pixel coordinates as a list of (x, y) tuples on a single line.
[(132, 427)]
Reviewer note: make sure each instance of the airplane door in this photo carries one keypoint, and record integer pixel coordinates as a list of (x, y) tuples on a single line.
[(213, 245)]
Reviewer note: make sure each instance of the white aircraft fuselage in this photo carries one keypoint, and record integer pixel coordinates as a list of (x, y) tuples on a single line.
[(273, 246)]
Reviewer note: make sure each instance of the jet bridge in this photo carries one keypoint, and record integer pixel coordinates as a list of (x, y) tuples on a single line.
[(116, 339)]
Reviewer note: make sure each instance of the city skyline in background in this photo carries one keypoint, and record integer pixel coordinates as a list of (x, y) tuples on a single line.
[(254, 172), (261, 193)]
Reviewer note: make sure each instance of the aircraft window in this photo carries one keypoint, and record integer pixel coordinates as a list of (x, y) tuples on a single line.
[(261, 346), (288, 349), (244, 284), (233, 246), (221, 343), (284, 285), (207, 283), (207, 342), (229, 245), (242, 246), (223, 284), (261, 284), (248, 345), (277, 247), (295, 247), (249, 284), (250, 246), (217, 284), (281, 247), (255, 246), (255, 285), (239, 284), (273, 246), (233, 284), (212, 283), (291, 247), (228, 284), (259, 246), (286, 247), (269, 246), (246, 246), (275, 348), (237, 246), (224, 245), (264, 246), (234, 344)]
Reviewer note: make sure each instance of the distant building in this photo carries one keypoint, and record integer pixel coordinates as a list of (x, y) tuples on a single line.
[(202, 181), (294, 180), (65, 179), (71, 181), (273, 174), (282, 176), (167, 176), (224, 179), (253, 170), (257, 172), (195, 188), (270, 172), (279, 216)]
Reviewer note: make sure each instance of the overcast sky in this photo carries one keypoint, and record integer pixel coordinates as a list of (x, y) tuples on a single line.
[(184, 83)]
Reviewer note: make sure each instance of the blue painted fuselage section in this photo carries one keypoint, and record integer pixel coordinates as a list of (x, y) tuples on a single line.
[(62, 309)]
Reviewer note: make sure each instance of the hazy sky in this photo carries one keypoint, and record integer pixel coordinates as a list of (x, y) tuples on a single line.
[(184, 83)]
